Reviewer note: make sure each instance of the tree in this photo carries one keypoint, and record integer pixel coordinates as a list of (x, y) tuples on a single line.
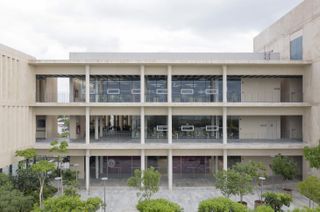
[(224, 182), (312, 154), (254, 169), (277, 200), (59, 149), (42, 168), (70, 203), (147, 182), (27, 154), (284, 166), (310, 188)]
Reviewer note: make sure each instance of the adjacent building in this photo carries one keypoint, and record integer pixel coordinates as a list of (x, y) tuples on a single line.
[(186, 114)]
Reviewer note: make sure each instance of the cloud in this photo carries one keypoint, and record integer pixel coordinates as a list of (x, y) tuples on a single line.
[(51, 29)]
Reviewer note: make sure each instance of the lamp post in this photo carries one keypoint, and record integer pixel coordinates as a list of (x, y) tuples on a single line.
[(59, 180), (104, 179), (262, 179)]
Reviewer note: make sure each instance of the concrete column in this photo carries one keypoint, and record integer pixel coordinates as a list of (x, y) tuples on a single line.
[(87, 125), (170, 125), (97, 167), (87, 84), (224, 126), (101, 165), (97, 91), (71, 94), (224, 83), (101, 127), (225, 159), (170, 167), (96, 127), (143, 162), (142, 125), (142, 83), (169, 83), (87, 170)]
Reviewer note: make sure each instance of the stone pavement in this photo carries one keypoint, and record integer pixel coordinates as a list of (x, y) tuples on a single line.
[(124, 199)]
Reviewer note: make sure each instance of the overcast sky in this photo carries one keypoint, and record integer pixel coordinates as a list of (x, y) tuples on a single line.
[(50, 29)]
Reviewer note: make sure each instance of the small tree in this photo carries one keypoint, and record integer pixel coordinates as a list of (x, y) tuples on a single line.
[(59, 149), (284, 166), (277, 200), (27, 154), (310, 188), (232, 182), (42, 168), (312, 154), (147, 182)]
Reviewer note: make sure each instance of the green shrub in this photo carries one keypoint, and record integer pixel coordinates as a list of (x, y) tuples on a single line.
[(277, 200), (264, 208), (158, 205), (220, 204)]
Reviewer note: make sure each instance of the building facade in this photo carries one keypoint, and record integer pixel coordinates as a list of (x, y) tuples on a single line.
[(186, 114)]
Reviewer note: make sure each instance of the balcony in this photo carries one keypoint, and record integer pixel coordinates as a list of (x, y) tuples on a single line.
[(264, 89), (60, 128), (60, 89)]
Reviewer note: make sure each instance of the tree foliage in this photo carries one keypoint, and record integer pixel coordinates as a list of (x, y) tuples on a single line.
[(220, 204), (159, 205), (284, 166), (147, 182), (27, 154), (70, 203), (42, 168), (310, 188), (277, 200), (14, 201), (312, 154)]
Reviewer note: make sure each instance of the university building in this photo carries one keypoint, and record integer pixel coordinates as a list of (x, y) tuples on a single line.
[(186, 114)]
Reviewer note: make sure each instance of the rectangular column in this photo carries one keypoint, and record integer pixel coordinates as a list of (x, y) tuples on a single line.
[(87, 84), (143, 158), (97, 91), (225, 159), (97, 167), (142, 125), (169, 83), (216, 168), (224, 84), (87, 170), (87, 125), (96, 127), (101, 127), (170, 125), (101, 165), (142, 83), (170, 169), (224, 126)]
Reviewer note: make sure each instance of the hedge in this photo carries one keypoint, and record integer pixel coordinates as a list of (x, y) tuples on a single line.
[(220, 204), (158, 205)]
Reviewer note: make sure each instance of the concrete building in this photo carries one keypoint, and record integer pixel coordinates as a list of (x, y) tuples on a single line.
[(186, 114)]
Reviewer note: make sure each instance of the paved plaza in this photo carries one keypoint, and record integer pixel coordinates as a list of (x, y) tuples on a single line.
[(124, 199)]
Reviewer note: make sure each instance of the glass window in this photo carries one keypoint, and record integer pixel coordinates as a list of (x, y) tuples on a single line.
[(197, 127), (296, 49), (156, 88), (115, 88), (196, 89), (233, 127), (234, 89), (156, 127)]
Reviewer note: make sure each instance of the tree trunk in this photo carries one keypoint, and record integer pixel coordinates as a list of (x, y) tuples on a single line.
[(40, 193)]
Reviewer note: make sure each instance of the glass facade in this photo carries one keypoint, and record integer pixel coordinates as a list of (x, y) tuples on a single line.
[(234, 89), (156, 128), (196, 127), (106, 88), (296, 49), (233, 127), (116, 128), (196, 88), (156, 88)]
